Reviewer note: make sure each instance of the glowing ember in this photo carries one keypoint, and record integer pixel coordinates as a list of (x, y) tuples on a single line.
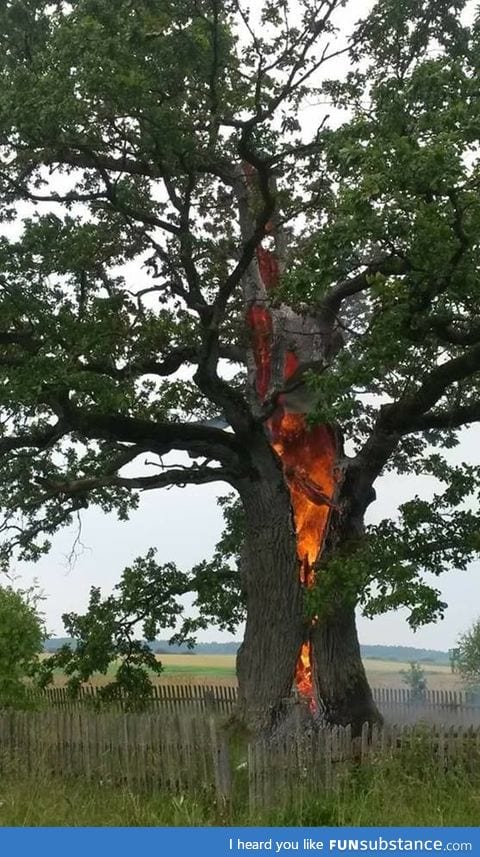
[(307, 454), (260, 321)]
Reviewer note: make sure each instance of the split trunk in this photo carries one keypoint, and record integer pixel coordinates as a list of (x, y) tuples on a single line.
[(277, 625)]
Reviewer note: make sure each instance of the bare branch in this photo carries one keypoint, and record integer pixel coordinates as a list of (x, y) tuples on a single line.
[(179, 478)]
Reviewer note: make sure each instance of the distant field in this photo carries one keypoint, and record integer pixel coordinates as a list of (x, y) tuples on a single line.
[(221, 669), (388, 674)]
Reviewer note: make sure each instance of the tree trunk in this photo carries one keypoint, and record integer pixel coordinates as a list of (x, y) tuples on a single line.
[(339, 675), (275, 622), (328, 505), (276, 627)]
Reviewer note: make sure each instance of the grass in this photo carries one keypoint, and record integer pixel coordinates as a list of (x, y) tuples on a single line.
[(403, 790)]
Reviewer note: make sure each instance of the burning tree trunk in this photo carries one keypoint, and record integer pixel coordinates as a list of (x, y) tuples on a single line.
[(293, 521)]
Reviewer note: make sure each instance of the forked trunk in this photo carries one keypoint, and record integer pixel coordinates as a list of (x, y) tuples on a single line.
[(296, 509), (268, 664)]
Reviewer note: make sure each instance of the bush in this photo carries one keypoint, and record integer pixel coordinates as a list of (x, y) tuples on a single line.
[(415, 680), (22, 635)]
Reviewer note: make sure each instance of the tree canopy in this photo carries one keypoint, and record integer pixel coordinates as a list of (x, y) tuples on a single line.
[(128, 133)]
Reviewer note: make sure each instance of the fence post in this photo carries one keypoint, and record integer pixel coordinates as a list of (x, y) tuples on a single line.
[(221, 762)]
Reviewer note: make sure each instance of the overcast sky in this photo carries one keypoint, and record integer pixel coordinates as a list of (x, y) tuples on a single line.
[(184, 525)]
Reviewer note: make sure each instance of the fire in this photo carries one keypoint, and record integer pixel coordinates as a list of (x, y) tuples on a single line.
[(308, 457), (307, 454)]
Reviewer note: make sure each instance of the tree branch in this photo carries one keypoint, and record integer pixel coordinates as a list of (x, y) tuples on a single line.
[(160, 438), (170, 363), (391, 265), (412, 414), (180, 478), (452, 418), (400, 416), (447, 331), (35, 439)]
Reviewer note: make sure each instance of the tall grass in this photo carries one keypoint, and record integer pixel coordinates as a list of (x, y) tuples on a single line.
[(402, 789)]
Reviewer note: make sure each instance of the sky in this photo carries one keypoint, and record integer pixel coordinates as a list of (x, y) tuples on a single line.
[(184, 524)]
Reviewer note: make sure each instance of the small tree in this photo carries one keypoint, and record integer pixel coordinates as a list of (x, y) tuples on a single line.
[(22, 634), (453, 659), (145, 602), (468, 656), (416, 680)]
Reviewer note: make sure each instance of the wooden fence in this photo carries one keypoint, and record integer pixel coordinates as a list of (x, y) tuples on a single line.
[(398, 705), (289, 771), (145, 751), (172, 698), (447, 707), (191, 755)]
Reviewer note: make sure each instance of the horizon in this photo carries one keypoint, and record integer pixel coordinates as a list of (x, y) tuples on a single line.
[(238, 642)]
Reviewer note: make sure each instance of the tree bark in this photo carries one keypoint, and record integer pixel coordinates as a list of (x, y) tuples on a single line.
[(341, 684), (328, 502), (339, 676), (275, 622)]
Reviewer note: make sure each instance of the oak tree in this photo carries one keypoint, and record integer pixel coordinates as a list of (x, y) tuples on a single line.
[(253, 239)]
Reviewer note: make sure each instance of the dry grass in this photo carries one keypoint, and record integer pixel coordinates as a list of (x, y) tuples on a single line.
[(389, 674), (196, 662)]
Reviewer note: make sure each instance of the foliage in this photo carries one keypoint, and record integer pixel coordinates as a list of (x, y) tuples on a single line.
[(129, 234), (416, 681), (467, 656), (147, 600), (22, 634)]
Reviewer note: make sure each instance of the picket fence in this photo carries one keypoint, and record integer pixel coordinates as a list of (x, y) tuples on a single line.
[(188, 754), (172, 698), (398, 705), (447, 707)]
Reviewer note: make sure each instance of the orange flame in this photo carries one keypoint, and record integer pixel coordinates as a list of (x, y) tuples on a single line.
[(308, 457)]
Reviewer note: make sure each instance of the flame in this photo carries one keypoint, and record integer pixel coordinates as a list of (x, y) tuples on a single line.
[(308, 458), (307, 453)]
